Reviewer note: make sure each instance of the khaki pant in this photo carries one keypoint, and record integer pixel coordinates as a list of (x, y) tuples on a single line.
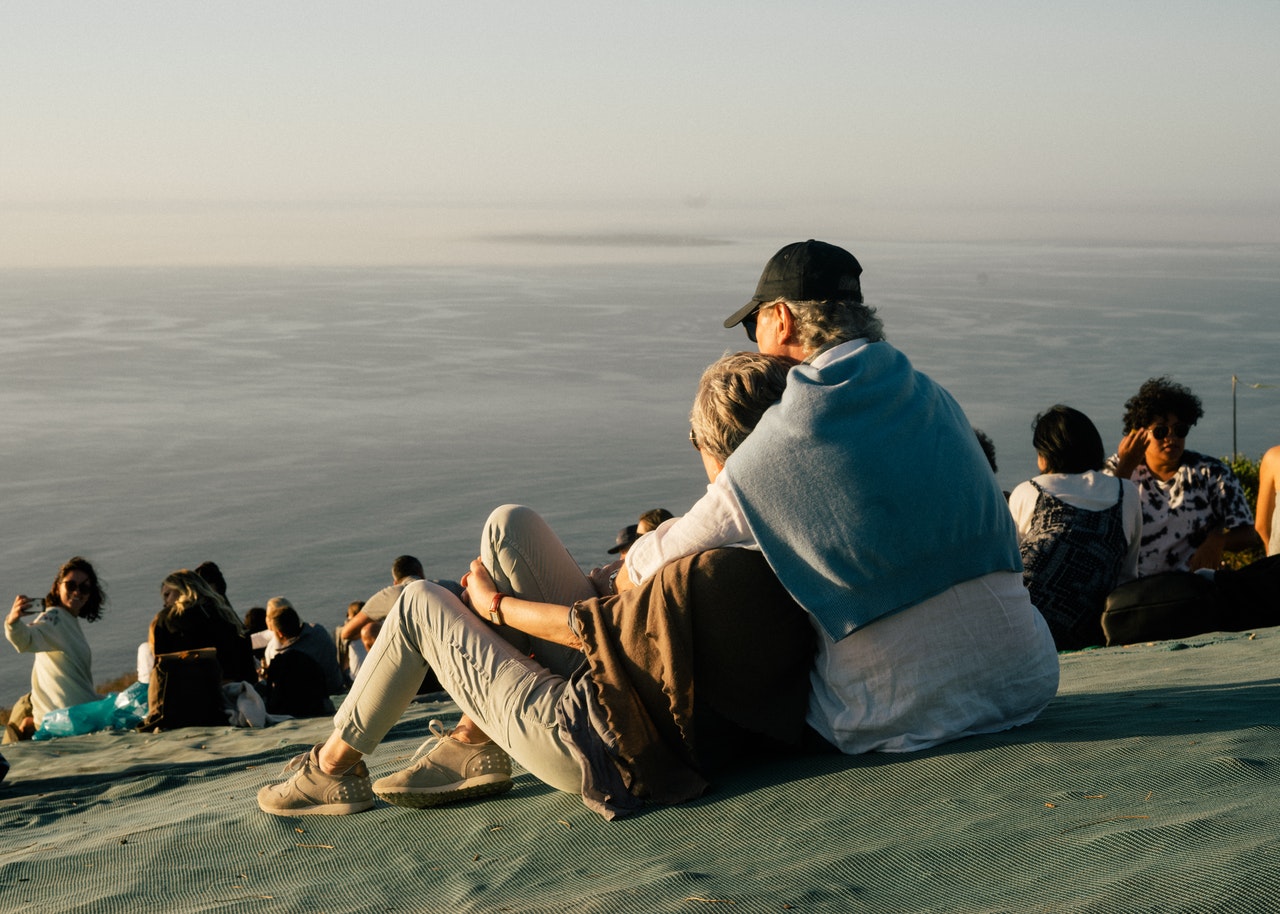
[(15, 731), (511, 696)]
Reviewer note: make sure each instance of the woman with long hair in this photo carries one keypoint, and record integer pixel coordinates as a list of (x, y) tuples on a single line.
[(196, 616), (61, 675), (199, 645)]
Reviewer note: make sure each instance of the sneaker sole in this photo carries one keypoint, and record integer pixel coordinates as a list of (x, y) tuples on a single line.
[(418, 799), (328, 809)]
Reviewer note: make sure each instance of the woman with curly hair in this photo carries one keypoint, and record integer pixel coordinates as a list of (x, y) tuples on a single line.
[(60, 676), (1193, 507)]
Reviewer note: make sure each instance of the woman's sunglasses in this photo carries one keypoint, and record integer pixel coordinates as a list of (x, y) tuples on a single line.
[(83, 587), (1161, 432)]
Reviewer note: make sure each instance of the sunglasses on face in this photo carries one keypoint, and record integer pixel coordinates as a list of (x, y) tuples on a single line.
[(749, 322), (1161, 432), (83, 587)]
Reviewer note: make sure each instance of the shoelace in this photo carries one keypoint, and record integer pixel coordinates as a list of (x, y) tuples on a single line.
[(438, 733), (296, 763)]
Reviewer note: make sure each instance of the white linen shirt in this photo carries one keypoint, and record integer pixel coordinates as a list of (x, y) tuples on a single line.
[(976, 658)]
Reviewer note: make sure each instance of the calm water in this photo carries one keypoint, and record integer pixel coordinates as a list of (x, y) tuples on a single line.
[(302, 427)]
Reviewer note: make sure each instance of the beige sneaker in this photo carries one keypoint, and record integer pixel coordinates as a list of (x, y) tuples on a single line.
[(312, 792), (449, 771)]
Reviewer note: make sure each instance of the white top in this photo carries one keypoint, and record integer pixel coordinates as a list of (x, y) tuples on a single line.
[(1093, 490), (976, 658), (715, 520), (60, 676), (146, 661), (268, 643)]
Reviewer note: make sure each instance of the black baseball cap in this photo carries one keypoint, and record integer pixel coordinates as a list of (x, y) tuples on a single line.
[(626, 536), (806, 271)]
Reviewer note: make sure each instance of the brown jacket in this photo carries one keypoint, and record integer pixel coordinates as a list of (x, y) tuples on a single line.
[(700, 662)]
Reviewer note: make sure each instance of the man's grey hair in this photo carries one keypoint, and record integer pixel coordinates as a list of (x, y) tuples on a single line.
[(732, 396), (821, 323)]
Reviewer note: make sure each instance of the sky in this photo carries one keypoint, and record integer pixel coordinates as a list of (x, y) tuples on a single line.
[(401, 132)]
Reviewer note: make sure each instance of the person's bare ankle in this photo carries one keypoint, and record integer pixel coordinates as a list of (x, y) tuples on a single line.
[(469, 733), (337, 761)]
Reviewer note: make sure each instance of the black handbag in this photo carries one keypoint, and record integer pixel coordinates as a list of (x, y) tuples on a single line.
[(1174, 604), (185, 691)]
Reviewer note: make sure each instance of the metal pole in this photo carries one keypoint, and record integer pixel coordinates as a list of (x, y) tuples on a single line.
[(1235, 451)]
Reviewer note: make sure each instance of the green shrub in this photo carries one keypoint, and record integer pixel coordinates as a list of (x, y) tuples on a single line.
[(1246, 471)]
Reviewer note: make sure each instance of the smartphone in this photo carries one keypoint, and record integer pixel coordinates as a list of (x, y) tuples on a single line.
[(34, 606)]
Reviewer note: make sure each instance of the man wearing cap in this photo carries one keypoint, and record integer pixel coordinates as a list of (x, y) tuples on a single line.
[(869, 495), (626, 536)]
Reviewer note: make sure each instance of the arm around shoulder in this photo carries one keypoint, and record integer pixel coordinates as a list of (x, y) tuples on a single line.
[(715, 520)]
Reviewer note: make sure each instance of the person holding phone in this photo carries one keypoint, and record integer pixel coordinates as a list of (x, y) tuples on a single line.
[(50, 629)]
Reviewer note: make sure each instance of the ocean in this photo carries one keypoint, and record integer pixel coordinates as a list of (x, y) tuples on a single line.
[(303, 426)]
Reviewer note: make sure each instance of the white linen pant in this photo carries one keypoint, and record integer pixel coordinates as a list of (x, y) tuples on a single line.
[(509, 695)]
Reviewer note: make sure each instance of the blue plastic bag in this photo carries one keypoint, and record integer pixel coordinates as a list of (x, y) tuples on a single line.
[(120, 711), (131, 707)]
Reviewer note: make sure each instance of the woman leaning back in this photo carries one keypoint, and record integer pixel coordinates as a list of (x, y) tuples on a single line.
[(629, 698)]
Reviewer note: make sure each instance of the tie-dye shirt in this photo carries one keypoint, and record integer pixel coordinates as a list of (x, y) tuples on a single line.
[(1179, 513)]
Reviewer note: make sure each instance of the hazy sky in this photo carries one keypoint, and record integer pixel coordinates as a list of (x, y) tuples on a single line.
[(179, 132)]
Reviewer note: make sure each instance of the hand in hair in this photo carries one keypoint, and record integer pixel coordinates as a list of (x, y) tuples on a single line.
[(1131, 452)]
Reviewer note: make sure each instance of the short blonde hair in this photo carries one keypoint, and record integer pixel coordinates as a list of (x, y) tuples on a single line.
[(733, 394), (282, 616)]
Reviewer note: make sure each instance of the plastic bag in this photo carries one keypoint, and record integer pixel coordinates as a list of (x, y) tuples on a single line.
[(120, 711), (131, 707), (77, 719)]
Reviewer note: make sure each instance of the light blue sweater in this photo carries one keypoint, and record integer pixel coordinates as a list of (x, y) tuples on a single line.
[(867, 490)]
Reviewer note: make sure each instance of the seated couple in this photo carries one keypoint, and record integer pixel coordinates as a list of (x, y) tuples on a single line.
[(907, 572)]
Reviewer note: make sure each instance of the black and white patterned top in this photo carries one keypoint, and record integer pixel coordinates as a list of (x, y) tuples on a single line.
[(1178, 514), (1071, 560)]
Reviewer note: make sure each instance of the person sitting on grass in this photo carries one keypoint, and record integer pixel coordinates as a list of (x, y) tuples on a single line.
[(632, 698)]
